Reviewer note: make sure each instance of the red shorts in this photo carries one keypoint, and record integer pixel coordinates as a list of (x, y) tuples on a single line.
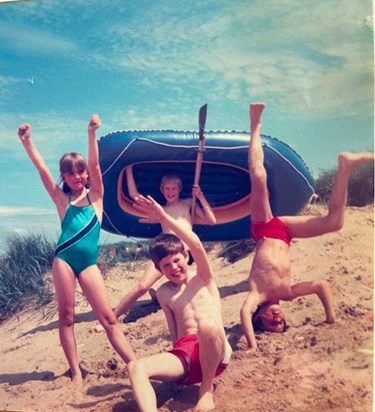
[(187, 349), (274, 229)]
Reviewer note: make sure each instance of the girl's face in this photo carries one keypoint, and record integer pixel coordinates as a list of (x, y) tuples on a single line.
[(76, 179), (171, 190)]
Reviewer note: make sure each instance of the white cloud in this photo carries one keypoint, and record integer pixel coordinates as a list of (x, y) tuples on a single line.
[(27, 211), (297, 53), (30, 40)]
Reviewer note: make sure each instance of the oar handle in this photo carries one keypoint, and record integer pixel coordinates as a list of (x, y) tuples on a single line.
[(197, 175), (201, 125)]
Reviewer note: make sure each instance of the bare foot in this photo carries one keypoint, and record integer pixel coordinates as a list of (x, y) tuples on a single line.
[(349, 160), (205, 403), (76, 378), (256, 110)]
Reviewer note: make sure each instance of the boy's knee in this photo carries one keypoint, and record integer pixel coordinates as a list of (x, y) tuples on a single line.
[(135, 367), (131, 367)]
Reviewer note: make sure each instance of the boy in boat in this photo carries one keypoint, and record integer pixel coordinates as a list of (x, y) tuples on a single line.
[(269, 279), (190, 300), (180, 209)]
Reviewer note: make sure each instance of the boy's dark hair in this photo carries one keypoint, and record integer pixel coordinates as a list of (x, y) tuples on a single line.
[(163, 245), (257, 323)]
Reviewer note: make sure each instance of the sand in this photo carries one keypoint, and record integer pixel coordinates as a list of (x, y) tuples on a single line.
[(311, 367)]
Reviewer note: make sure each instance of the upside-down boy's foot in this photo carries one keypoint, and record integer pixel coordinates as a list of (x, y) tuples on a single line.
[(351, 160), (256, 110)]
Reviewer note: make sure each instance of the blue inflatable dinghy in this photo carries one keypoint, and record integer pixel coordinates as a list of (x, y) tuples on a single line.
[(224, 178)]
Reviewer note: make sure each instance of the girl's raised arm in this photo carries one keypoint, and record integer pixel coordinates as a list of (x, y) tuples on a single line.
[(24, 133), (96, 181)]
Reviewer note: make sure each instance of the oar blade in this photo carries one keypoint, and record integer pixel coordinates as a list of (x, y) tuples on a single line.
[(202, 120)]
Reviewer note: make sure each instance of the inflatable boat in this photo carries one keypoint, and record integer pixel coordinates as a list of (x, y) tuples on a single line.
[(224, 178)]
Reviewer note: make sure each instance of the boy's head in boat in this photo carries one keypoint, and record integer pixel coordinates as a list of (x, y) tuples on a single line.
[(171, 187)]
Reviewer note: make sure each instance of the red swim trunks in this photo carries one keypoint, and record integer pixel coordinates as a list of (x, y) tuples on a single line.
[(274, 229), (187, 349)]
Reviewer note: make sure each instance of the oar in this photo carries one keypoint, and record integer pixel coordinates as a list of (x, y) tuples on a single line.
[(198, 165)]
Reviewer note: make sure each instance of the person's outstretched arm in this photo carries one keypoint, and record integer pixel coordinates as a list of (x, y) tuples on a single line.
[(155, 212), (132, 187), (96, 181), (248, 308), (24, 133), (203, 215), (322, 289)]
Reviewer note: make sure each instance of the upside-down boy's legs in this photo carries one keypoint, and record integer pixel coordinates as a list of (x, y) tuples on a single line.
[(310, 226), (259, 203)]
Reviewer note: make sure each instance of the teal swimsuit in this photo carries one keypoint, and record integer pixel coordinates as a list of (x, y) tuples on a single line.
[(78, 244)]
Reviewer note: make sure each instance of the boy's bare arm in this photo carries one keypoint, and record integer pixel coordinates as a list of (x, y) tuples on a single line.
[(246, 313), (203, 215), (322, 289), (154, 211), (132, 187)]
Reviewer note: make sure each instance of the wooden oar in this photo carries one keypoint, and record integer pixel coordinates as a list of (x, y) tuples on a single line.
[(198, 165)]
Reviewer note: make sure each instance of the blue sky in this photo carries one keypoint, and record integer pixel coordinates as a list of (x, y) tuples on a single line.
[(142, 64)]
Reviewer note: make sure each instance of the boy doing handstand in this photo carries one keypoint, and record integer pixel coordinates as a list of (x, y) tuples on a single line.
[(270, 274), (191, 303)]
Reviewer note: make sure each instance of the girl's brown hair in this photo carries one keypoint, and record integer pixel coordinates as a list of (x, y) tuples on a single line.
[(67, 162)]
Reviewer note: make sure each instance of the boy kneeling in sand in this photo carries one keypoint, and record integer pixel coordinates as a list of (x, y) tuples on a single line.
[(191, 304), (270, 274)]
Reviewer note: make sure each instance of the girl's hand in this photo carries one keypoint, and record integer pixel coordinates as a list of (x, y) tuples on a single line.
[(95, 123), (24, 132)]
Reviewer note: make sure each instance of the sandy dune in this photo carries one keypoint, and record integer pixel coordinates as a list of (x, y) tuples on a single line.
[(311, 367)]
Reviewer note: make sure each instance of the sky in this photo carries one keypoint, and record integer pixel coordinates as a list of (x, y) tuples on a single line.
[(142, 64)]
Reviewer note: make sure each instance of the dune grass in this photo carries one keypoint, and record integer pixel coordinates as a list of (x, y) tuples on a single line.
[(22, 273), (25, 267), (25, 270)]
